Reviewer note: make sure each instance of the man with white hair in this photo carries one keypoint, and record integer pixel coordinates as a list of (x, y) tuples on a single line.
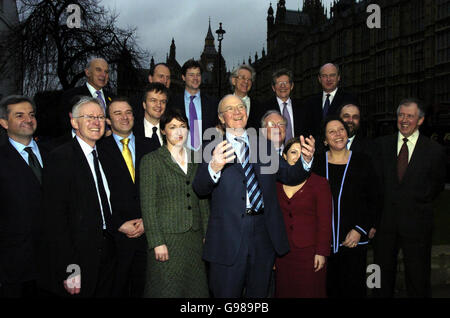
[(77, 212)]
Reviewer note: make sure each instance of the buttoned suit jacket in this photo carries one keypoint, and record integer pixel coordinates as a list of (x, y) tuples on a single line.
[(228, 204), (20, 196)]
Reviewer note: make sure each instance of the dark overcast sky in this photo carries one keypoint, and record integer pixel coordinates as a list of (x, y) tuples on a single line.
[(157, 21)]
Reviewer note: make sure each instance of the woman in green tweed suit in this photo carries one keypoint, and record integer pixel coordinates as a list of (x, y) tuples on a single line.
[(175, 218)]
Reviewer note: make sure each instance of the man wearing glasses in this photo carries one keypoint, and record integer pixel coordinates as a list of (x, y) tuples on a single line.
[(328, 102), (241, 80), (246, 228), (297, 122), (77, 211), (200, 109), (276, 129)]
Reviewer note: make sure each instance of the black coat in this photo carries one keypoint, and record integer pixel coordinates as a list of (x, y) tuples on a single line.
[(73, 226), (20, 197), (314, 108), (124, 192), (359, 200), (408, 206)]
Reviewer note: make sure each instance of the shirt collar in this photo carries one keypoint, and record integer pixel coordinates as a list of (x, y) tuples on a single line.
[(331, 93), (20, 147), (280, 101), (413, 138), (118, 138), (230, 137), (93, 90), (149, 124), (188, 95), (87, 150)]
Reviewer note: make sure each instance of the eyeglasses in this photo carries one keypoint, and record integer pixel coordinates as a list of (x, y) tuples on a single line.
[(330, 76), (91, 118), (282, 83), (243, 78), (231, 109), (272, 124)]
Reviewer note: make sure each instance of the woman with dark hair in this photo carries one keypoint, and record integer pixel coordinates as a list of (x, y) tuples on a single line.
[(306, 208), (353, 187), (175, 218)]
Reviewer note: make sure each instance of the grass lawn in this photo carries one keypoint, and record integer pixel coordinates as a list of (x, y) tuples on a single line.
[(441, 233)]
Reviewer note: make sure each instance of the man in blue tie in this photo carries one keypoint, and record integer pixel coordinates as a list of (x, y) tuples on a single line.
[(20, 195), (200, 109), (246, 228)]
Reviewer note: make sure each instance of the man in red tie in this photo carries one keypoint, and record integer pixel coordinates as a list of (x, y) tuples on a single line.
[(411, 170)]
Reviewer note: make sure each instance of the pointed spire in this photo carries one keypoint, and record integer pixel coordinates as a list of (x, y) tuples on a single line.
[(152, 63), (209, 35)]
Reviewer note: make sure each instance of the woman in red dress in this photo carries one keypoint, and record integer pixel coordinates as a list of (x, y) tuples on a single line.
[(306, 208)]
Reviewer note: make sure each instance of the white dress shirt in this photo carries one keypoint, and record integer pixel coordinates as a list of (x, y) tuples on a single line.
[(21, 150), (411, 143), (324, 97), (290, 111), (148, 128), (87, 150)]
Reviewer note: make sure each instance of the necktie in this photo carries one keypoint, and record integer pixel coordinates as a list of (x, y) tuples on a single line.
[(103, 196), (253, 190), (289, 123), (126, 153), (402, 160), (155, 135), (34, 164), (101, 99), (326, 106), (193, 119)]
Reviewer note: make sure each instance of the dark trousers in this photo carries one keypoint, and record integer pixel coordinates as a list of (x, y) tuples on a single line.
[(416, 258), (107, 268), (26, 289), (253, 266), (131, 267), (346, 273)]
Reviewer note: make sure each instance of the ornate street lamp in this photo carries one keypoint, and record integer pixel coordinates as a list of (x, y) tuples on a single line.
[(220, 32)]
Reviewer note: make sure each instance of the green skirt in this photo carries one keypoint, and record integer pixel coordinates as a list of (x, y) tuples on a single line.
[(184, 274)]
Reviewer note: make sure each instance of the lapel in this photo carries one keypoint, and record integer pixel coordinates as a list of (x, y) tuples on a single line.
[(18, 161), (116, 155), (165, 154), (85, 177), (392, 156)]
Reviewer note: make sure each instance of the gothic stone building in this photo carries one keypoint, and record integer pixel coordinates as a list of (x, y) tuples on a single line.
[(408, 56)]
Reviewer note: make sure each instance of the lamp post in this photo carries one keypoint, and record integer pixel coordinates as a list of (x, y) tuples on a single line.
[(220, 32)]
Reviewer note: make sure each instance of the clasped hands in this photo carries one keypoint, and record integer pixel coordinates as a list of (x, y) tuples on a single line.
[(133, 228), (224, 153)]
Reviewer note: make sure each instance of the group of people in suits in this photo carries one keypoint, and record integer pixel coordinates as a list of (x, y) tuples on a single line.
[(123, 208)]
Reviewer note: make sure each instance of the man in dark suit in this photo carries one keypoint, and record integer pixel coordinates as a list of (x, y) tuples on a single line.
[(297, 119), (276, 129), (120, 155), (159, 73), (351, 115), (154, 104), (97, 76), (246, 228), (78, 227), (328, 102), (200, 109), (20, 196), (241, 79), (412, 174)]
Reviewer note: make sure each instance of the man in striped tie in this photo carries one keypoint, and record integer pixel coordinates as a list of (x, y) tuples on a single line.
[(246, 228)]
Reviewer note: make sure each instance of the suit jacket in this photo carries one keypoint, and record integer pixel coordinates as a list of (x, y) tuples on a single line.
[(314, 108), (124, 192), (73, 227), (307, 215), (359, 196), (408, 206), (228, 203), (20, 197), (169, 205), (302, 118), (209, 110), (362, 144), (70, 97)]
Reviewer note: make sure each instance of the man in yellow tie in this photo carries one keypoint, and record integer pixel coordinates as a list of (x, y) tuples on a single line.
[(120, 153)]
